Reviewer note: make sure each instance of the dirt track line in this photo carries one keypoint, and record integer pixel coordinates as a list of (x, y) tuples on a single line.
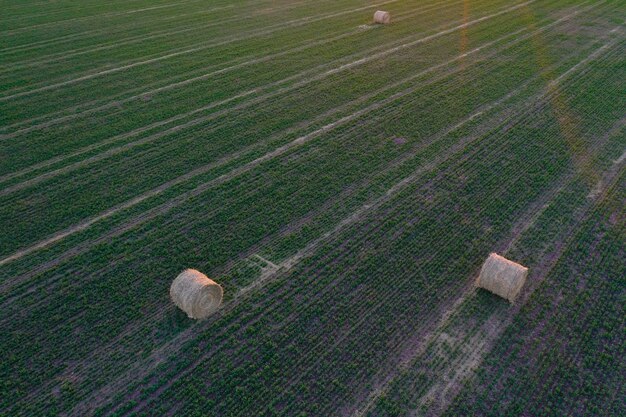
[(31, 4), (431, 333), (94, 32), (285, 266), (54, 11), (454, 386), (591, 57), (292, 261), (468, 361), (202, 77), (100, 16), (213, 116), (238, 171), (132, 202), (60, 56), (152, 126), (526, 221), (156, 357), (258, 32), (357, 216), (461, 368)]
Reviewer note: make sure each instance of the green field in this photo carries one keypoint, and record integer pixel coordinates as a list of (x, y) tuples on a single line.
[(343, 182)]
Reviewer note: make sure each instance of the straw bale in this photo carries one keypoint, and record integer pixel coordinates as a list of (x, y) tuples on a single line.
[(196, 294), (382, 17), (502, 277)]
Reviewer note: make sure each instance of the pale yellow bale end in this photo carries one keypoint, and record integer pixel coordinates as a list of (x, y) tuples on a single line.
[(382, 17), (196, 294), (502, 277)]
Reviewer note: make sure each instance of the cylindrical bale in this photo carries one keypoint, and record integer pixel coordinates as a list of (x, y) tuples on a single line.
[(196, 294), (502, 277), (382, 17)]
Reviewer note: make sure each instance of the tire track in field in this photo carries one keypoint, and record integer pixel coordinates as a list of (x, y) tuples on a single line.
[(523, 224), (54, 11), (99, 16), (95, 32), (235, 172), (29, 5), (296, 380), (310, 249), (140, 216), (528, 219), (307, 251), (259, 32), (445, 75), (203, 119), (75, 370), (64, 55), (120, 28), (436, 337), (236, 64), (474, 357)]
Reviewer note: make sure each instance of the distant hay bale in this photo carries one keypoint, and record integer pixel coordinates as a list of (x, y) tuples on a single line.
[(502, 277), (382, 17), (196, 294)]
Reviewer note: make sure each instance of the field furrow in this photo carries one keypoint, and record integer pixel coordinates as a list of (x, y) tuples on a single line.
[(342, 181)]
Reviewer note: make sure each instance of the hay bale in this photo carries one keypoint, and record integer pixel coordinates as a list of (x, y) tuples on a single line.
[(196, 294), (382, 17), (502, 277)]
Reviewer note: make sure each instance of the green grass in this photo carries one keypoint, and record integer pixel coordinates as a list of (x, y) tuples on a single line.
[(293, 155)]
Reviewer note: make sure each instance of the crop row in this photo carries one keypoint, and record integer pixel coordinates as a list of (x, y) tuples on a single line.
[(344, 312), (78, 79), (41, 41), (223, 79), (256, 226), (563, 353), (180, 152)]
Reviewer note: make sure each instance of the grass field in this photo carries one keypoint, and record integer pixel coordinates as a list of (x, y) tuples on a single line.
[(342, 181)]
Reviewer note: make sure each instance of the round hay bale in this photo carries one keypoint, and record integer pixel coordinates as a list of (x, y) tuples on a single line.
[(196, 294), (502, 277), (382, 17)]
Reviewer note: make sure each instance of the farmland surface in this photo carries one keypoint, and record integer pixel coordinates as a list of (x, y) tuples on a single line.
[(342, 181)]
